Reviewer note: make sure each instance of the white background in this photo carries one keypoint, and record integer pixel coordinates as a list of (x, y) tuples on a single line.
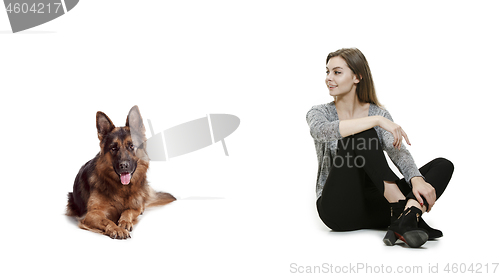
[(435, 66)]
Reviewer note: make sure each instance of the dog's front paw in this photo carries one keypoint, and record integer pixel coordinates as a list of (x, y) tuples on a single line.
[(127, 225), (116, 232)]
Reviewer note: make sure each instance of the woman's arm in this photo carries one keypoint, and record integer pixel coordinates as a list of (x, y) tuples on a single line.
[(397, 132), (353, 126), (322, 129), (321, 125), (419, 186), (396, 150), (421, 189)]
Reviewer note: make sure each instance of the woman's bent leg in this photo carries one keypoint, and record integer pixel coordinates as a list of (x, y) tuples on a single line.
[(352, 197), (437, 172)]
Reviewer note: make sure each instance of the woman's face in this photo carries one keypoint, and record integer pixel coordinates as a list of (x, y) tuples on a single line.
[(340, 79)]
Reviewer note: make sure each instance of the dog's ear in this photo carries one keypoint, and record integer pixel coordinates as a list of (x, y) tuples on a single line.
[(104, 125), (137, 132), (134, 121)]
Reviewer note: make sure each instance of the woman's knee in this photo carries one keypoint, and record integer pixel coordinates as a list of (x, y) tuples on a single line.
[(445, 165), (366, 140), (370, 133)]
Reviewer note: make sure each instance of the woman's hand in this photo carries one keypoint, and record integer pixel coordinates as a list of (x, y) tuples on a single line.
[(397, 132), (423, 189)]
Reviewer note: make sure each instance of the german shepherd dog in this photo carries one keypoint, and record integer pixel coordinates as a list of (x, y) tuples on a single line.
[(111, 190)]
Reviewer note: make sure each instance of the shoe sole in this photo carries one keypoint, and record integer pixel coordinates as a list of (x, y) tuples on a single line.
[(414, 238)]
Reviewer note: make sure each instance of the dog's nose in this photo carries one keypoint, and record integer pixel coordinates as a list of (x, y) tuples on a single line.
[(124, 165)]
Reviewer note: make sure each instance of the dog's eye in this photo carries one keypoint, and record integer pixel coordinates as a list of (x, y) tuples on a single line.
[(114, 148), (131, 147)]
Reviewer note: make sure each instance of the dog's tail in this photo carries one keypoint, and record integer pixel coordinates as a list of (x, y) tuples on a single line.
[(71, 208), (158, 198)]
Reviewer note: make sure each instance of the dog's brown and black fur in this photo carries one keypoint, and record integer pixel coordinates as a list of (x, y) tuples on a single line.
[(111, 190)]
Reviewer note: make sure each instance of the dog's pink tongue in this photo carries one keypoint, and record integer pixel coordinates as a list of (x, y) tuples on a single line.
[(125, 178)]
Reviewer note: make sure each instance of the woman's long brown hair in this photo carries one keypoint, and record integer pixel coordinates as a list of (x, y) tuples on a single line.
[(359, 66)]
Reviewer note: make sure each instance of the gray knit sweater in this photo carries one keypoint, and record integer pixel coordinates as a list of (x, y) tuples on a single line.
[(324, 126)]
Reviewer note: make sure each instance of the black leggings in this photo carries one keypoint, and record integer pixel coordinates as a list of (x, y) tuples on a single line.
[(353, 195)]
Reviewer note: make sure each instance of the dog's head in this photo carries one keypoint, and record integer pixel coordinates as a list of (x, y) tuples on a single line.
[(123, 148)]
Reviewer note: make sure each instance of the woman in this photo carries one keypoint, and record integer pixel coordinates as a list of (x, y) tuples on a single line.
[(355, 187)]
